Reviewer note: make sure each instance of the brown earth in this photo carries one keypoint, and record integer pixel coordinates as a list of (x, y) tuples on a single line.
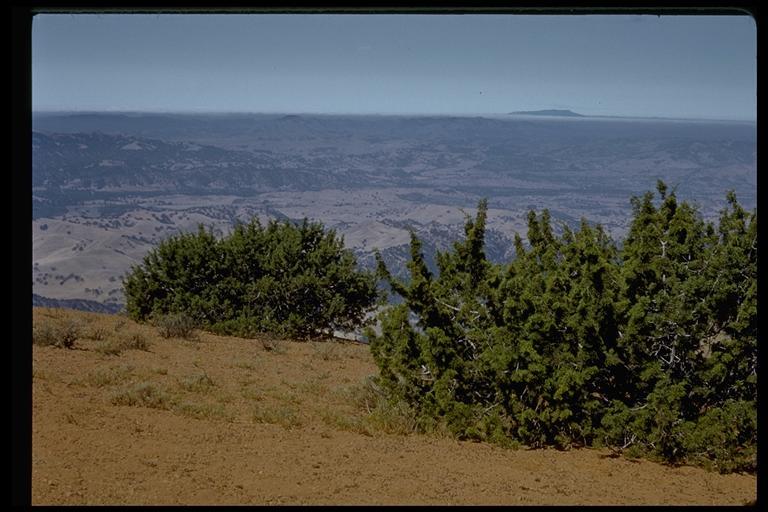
[(221, 420)]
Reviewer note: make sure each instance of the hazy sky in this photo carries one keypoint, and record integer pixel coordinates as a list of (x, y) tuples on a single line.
[(669, 66)]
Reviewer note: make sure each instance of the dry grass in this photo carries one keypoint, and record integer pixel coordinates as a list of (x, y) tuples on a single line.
[(200, 405), (109, 377), (198, 383), (285, 416), (116, 345), (143, 394), (267, 394), (176, 325), (61, 333), (204, 410), (301, 389), (371, 413), (273, 345), (327, 351), (97, 333)]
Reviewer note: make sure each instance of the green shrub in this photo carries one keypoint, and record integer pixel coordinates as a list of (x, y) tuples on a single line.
[(725, 437), (578, 342), (294, 280)]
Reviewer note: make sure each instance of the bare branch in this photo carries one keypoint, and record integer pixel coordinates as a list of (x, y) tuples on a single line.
[(627, 443), (448, 305)]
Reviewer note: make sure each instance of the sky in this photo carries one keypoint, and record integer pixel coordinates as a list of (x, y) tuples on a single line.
[(700, 67)]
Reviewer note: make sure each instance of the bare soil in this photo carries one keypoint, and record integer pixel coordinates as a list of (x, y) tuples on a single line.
[(222, 420)]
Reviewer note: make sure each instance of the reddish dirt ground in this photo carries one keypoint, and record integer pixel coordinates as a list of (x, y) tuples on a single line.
[(222, 420)]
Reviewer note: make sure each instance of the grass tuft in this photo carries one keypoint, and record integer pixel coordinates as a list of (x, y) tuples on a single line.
[(110, 377), (61, 335), (273, 345), (287, 417), (143, 394), (203, 411), (327, 351), (176, 325), (200, 383), (128, 341)]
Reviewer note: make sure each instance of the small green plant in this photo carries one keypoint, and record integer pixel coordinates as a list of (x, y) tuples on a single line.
[(110, 377), (287, 417), (339, 421), (382, 414), (143, 394), (136, 341), (97, 333), (69, 333), (110, 347), (62, 335), (199, 383), (245, 365), (273, 345), (176, 325), (313, 387), (251, 393), (44, 335), (131, 341), (327, 351)]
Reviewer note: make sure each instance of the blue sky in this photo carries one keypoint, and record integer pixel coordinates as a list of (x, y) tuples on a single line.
[(668, 66)]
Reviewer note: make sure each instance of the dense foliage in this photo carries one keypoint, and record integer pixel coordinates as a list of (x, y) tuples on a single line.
[(294, 280), (649, 348)]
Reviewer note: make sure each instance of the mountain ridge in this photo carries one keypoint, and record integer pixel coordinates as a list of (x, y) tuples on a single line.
[(78, 304), (548, 112)]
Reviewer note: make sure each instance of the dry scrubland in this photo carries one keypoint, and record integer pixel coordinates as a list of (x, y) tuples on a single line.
[(127, 416)]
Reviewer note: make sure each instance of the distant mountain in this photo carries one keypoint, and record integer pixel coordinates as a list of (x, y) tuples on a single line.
[(79, 304), (550, 112)]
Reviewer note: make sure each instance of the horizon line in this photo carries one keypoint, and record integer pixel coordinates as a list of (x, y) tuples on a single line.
[(580, 116)]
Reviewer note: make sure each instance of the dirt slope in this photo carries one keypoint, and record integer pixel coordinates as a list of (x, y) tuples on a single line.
[(222, 420)]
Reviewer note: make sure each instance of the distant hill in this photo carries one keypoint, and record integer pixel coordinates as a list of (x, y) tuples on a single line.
[(78, 304), (550, 112)]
